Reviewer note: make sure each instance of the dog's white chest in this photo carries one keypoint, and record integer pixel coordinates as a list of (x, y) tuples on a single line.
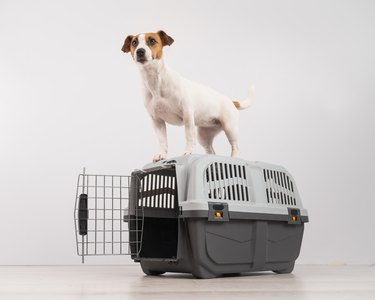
[(166, 110)]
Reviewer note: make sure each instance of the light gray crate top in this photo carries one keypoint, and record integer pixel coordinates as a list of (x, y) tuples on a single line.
[(246, 186)]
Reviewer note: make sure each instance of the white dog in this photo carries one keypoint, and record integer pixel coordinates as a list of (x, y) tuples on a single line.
[(173, 99)]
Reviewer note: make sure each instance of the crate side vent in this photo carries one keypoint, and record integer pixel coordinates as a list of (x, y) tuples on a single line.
[(279, 187), (226, 181)]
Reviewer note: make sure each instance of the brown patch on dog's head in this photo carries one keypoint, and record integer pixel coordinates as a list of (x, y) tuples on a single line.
[(155, 44), (130, 44)]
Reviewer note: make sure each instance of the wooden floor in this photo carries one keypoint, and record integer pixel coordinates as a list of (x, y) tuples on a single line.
[(128, 282)]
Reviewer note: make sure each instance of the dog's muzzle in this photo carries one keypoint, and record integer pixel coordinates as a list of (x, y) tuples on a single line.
[(141, 55)]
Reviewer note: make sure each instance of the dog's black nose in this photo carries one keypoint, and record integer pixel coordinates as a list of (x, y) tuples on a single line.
[(141, 52)]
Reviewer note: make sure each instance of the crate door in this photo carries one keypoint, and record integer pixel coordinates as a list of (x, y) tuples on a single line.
[(106, 222)]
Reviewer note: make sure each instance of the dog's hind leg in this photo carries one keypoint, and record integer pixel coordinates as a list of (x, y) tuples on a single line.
[(232, 138), (206, 136), (231, 131), (232, 135)]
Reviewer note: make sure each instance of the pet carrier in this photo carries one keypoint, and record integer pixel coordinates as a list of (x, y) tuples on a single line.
[(201, 214)]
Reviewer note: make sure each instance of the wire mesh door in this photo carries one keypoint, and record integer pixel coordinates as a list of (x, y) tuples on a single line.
[(107, 220)]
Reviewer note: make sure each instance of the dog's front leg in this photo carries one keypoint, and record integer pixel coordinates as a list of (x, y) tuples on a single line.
[(190, 134), (161, 132)]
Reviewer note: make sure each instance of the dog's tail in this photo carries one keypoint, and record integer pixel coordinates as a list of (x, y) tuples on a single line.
[(247, 102)]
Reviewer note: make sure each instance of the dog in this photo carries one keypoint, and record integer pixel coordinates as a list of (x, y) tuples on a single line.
[(173, 99)]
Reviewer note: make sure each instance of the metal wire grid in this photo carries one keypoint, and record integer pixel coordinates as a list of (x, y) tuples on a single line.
[(108, 207)]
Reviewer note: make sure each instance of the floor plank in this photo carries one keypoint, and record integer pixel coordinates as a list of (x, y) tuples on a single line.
[(128, 282)]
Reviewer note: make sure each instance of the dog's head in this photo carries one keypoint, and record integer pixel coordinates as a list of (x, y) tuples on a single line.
[(146, 47)]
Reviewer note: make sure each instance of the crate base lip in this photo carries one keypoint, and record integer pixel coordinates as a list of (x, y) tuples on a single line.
[(167, 260), (242, 216)]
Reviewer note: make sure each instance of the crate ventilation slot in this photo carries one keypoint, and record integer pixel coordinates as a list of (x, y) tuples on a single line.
[(279, 187), (226, 182), (158, 191)]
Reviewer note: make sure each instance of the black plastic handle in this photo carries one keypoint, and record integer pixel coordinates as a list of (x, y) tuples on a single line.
[(83, 214)]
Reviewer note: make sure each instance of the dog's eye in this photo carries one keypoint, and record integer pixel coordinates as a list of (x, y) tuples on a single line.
[(134, 43), (152, 41)]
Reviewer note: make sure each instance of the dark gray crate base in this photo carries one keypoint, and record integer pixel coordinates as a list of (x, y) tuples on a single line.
[(211, 249)]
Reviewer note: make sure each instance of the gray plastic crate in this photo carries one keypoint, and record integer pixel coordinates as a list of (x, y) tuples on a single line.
[(207, 215)]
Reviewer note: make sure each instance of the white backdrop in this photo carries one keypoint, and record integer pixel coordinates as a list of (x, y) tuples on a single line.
[(70, 98)]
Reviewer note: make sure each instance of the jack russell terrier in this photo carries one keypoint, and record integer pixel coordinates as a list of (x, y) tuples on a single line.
[(170, 98)]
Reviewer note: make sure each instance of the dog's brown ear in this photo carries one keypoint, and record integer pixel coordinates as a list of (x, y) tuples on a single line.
[(126, 47), (165, 38)]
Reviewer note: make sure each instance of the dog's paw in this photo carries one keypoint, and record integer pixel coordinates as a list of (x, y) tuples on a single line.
[(158, 157)]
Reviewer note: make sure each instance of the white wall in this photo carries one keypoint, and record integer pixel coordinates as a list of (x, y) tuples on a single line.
[(70, 98)]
